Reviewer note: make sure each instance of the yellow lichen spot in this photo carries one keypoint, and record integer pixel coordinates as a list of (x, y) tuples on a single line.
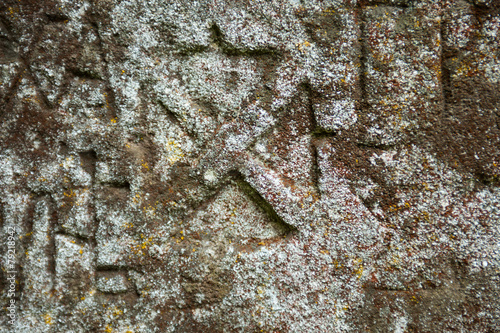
[(128, 225), (113, 120), (108, 329), (48, 319), (70, 194), (173, 151), (359, 271)]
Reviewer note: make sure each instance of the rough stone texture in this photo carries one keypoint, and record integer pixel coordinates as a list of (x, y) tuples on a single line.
[(251, 165)]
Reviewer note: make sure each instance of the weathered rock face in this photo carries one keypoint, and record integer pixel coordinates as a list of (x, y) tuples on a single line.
[(250, 166)]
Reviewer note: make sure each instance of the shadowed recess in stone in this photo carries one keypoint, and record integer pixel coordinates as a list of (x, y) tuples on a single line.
[(239, 212), (276, 221)]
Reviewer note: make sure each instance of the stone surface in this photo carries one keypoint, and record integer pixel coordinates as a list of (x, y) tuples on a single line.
[(250, 165)]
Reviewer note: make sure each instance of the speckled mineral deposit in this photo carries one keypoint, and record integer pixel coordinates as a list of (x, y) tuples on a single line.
[(287, 166)]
